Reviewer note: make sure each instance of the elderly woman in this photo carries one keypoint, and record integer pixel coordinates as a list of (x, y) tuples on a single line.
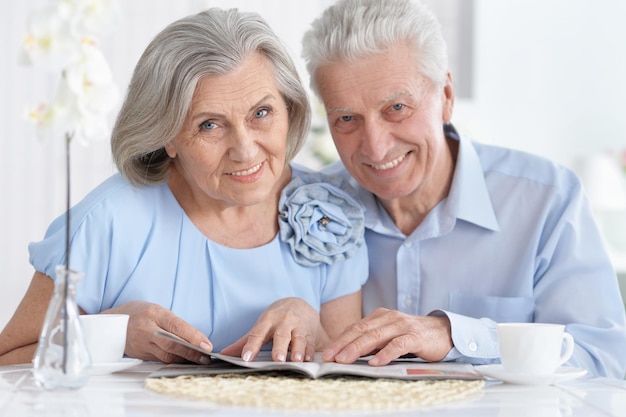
[(207, 227)]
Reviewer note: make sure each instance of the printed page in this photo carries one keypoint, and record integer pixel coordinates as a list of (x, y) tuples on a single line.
[(263, 362), (402, 369), (410, 370)]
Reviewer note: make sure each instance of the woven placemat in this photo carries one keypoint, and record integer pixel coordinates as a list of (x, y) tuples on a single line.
[(287, 391)]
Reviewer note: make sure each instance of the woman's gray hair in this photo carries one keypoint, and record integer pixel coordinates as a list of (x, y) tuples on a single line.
[(352, 29), (159, 95)]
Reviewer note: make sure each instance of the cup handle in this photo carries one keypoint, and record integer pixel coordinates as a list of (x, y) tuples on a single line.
[(569, 348)]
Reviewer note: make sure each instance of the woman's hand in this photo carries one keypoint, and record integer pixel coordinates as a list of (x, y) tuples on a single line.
[(141, 342), (291, 324)]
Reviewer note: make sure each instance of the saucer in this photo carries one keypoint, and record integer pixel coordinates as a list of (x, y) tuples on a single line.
[(561, 374), (110, 367)]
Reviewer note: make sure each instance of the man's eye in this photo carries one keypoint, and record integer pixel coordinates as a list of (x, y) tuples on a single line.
[(346, 118), (397, 107), (261, 113), (208, 125)]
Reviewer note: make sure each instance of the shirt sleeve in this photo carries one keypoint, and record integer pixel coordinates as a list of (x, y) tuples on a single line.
[(90, 252), (574, 284), (475, 340), (346, 277)]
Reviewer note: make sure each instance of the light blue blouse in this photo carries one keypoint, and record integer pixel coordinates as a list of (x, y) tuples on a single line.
[(138, 244), (515, 240)]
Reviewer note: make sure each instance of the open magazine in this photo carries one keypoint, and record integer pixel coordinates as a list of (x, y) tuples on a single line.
[(399, 369)]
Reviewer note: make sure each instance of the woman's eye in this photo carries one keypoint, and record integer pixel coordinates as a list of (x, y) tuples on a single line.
[(346, 118), (261, 113), (397, 107), (208, 125)]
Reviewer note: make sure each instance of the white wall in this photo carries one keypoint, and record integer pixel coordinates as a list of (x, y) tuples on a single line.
[(549, 76), (548, 79)]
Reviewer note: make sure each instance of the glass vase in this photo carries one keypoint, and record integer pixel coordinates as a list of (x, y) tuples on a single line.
[(62, 360)]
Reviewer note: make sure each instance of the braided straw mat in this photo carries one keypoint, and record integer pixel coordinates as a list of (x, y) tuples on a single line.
[(290, 391)]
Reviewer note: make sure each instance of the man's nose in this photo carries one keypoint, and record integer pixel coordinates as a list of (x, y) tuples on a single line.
[(376, 139)]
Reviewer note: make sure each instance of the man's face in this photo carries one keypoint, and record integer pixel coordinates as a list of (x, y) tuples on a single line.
[(387, 123)]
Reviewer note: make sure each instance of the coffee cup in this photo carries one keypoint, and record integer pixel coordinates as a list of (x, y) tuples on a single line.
[(534, 348), (105, 336)]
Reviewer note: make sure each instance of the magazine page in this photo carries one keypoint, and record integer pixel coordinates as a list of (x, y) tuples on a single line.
[(410, 370), (402, 369), (405, 369), (264, 362), (230, 364)]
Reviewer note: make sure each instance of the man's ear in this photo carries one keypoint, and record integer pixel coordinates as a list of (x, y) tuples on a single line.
[(447, 99)]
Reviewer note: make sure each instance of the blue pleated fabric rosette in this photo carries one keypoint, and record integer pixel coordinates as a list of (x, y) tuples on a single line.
[(320, 220)]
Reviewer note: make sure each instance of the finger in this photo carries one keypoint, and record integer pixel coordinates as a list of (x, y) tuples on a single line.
[(172, 352), (299, 344), (281, 342), (359, 340), (309, 354), (345, 341), (186, 331), (235, 349), (179, 327), (397, 347), (255, 339), (339, 344), (165, 356)]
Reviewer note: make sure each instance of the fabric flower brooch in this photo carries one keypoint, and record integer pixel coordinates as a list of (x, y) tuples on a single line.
[(319, 219)]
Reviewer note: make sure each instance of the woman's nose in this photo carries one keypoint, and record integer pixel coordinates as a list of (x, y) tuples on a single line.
[(244, 146)]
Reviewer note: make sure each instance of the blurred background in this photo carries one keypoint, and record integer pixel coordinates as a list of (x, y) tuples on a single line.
[(545, 77)]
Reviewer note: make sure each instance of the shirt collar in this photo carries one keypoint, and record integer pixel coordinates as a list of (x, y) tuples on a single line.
[(467, 200)]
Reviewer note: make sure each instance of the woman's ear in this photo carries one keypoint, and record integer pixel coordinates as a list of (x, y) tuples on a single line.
[(170, 149)]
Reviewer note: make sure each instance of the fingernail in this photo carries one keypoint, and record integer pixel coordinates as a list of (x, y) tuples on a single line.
[(342, 356), (280, 357), (205, 360), (307, 358), (206, 346), (374, 361), (246, 356), (297, 357)]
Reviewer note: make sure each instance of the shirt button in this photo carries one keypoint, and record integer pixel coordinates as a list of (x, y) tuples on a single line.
[(472, 346), (408, 302)]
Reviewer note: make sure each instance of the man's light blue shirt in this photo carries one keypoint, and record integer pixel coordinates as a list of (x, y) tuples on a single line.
[(514, 241)]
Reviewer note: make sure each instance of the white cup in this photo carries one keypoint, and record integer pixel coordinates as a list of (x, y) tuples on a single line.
[(105, 335), (534, 348)]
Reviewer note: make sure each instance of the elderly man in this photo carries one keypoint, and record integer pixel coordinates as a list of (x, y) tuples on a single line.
[(461, 235)]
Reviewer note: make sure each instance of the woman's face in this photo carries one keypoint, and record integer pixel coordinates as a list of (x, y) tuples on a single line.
[(231, 149)]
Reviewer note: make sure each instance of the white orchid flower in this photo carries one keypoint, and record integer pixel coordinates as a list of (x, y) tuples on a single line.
[(62, 38), (91, 81), (49, 43), (89, 17), (51, 119)]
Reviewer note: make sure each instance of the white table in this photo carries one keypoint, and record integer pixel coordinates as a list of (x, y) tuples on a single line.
[(123, 395)]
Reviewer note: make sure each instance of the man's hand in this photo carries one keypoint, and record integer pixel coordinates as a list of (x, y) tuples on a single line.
[(392, 334), (291, 324), (142, 343)]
